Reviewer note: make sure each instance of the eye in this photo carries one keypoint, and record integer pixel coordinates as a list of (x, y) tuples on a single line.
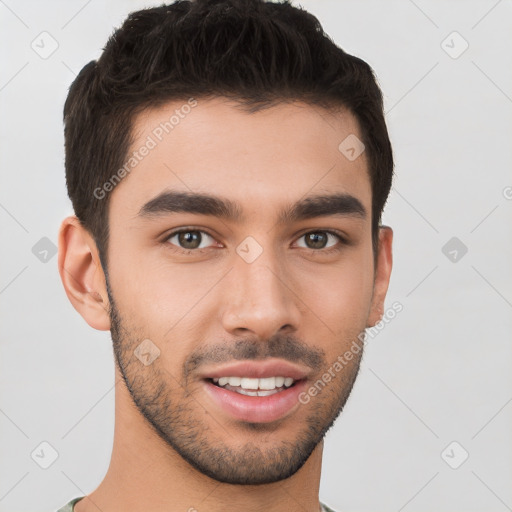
[(317, 240), (195, 240), (189, 239)]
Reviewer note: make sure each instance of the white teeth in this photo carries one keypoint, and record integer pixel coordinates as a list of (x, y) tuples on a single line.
[(252, 392), (247, 383), (267, 383), (259, 387), (247, 392), (268, 393)]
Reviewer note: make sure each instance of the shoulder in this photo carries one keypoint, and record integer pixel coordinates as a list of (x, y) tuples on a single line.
[(69, 507), (325, 508)]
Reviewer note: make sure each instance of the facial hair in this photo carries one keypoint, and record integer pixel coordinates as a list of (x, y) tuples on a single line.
[(175, 413)]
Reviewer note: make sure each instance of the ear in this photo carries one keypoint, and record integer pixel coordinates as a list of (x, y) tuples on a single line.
[(82, 275), (382, 275)]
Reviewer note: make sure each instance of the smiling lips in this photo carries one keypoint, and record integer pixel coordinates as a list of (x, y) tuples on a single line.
[(256, 391)]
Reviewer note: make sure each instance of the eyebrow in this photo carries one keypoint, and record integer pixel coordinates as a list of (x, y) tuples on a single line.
[(167, 202)]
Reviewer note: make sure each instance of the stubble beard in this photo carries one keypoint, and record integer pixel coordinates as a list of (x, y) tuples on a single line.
[(179, 419)]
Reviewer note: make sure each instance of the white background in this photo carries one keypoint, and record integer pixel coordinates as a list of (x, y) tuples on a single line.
[(439, 372)]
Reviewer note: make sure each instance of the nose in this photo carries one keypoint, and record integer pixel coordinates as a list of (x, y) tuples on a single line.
[(261, 298)]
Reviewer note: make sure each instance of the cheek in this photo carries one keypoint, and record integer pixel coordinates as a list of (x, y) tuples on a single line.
[(341, 294), (161, 299)]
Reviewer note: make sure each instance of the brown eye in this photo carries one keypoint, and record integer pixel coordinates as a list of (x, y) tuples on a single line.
[(189, 239), (318, 240)]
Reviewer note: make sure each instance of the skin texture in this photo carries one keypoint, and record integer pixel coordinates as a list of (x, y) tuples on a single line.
[(174, 448)]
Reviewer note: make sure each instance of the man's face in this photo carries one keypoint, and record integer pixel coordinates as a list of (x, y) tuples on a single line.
[(253, 298)]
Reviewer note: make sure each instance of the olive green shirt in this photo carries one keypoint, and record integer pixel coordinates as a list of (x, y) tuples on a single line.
[(69, 507)]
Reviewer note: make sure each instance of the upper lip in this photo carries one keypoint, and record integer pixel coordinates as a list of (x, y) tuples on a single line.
[(257, 369)]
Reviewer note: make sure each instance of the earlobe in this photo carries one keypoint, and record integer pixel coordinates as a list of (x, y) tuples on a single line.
[(82, 275), (382, 275)]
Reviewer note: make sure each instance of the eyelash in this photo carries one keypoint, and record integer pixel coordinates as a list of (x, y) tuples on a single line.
[(336, 248)]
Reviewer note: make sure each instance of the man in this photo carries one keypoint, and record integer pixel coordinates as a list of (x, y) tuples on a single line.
[(228, 166)]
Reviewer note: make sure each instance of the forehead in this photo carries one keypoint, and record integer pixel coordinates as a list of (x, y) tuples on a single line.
[(259, 159)]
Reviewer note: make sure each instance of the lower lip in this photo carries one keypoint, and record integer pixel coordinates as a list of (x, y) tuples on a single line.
[(256, 409)]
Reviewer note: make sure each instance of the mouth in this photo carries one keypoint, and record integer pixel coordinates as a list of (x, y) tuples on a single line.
[(248, 386), (256, 391)]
